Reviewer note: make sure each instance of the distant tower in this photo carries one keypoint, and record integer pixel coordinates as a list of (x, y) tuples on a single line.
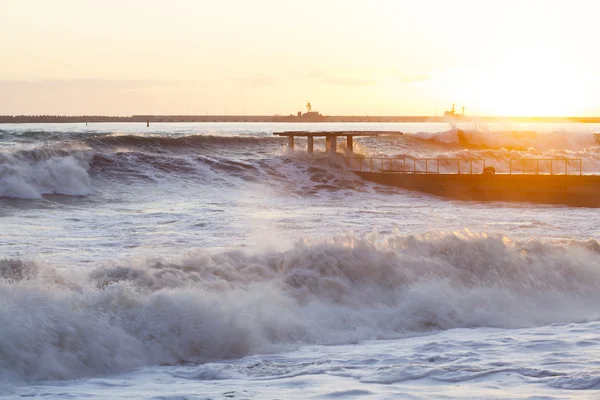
[(451, 113), (308, 107)]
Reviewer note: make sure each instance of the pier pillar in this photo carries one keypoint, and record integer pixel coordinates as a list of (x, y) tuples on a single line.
[(327, 144), (291, 142), (333, 144), (309, 144), (349, 144), (147, 123)]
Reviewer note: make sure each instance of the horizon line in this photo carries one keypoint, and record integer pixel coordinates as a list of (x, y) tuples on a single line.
[(290, 117)]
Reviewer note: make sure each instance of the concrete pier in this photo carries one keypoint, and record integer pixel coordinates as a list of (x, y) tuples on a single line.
[(331, 138), (309, 144), (549, 181), (572, 190), (331, 144)]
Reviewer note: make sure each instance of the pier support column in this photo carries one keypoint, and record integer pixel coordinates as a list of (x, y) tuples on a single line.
[(349, 144), (327, 144), (291, 142), (333, 144), (309, 144)]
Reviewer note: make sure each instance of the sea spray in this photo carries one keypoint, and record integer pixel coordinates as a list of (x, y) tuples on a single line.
[(219, 305), (29, 176)]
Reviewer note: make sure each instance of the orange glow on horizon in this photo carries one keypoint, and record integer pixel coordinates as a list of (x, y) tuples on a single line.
[(388, 57)]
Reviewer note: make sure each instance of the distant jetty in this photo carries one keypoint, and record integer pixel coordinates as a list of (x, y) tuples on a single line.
[(317, 117)]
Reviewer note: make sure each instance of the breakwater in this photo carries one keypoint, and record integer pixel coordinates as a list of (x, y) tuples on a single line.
[(279, 118)]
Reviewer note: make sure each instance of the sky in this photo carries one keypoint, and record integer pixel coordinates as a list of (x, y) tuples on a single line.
[(376, 57)]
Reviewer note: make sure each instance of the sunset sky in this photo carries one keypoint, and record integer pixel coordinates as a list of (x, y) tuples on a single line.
[(395, 57)]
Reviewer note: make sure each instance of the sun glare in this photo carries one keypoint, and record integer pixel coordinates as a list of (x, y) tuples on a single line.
[(523, 85)]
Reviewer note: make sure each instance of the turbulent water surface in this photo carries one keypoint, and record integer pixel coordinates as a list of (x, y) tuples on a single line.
[(209, 261)]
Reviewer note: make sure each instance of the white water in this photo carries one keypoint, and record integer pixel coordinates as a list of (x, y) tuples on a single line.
[(224, 266)]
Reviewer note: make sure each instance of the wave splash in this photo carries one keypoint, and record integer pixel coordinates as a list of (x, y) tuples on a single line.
[(509, 139), (69, 167), (32, 174), (211, 306)]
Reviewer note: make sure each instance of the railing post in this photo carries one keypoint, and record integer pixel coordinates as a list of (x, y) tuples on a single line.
[(510, 166), (551, 167), (404, 164), (566, 167), (438, 165), (471, 167), (580, 166), (537, 166), (371, 165), (426, 166), (414, 166)]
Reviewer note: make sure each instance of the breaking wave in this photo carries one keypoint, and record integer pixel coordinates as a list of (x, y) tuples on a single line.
[(510, 140), (212, 306), (31, 174), (70, 166), (188, 142)]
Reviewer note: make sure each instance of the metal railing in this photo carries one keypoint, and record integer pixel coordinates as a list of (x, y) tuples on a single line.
[(418, 165), (551, 162), (462, 166)]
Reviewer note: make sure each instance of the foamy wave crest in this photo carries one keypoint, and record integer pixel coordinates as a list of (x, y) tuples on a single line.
[(511, 140), (288, 171), (188, 142), (210, 306), (31, 174)]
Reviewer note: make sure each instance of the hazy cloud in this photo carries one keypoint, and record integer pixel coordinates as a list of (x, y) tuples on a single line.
[(403, 77), (86, 96), (415, 78), (62, 84), (258, 81), (339, 80)]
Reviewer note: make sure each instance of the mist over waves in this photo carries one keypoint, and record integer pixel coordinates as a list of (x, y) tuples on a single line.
[(214, 306)]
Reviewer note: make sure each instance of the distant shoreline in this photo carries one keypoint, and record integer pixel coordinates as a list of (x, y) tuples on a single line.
[(19, 119)]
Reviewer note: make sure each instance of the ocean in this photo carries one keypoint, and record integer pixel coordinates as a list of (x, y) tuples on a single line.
[(208, 261)]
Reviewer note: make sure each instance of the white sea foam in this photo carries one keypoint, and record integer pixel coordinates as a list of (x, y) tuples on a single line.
[(464, 313), (30, 178), (511, 139), (218, 306)]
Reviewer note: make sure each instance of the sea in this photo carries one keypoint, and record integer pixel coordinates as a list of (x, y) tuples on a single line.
[(210, 261)]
